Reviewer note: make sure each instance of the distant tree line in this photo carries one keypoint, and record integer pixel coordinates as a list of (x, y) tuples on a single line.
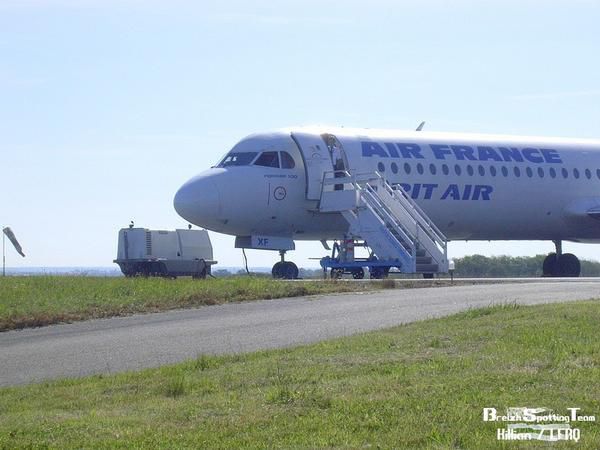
[(511, 266)]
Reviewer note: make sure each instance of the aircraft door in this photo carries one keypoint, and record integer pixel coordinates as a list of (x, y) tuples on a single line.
[(321, 154), (338, 157), (317, 161)]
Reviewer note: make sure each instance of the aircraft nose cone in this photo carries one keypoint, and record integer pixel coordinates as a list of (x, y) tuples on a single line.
[(198, 202)]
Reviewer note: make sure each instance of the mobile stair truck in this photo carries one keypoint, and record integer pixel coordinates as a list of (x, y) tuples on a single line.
[(160, 253)]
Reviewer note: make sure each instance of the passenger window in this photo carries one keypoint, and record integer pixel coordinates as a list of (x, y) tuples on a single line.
[(504, 171), (565, 173), (529, 172), (576, 173), (407, 168), (517, 172), (420, 168), (493, 171), (481, 170), (268, 159), (541, 172), (470, 170), (237, 159), (552, 172), (394, 167), (287, 162), (598, 173), (457, 169), (380, 167), (446, 170), (432, 169), (588, 174)]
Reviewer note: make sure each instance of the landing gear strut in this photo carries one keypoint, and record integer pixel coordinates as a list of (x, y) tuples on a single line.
[(561, 264), (284, 269)]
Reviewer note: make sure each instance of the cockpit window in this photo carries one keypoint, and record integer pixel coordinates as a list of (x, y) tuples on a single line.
[(238, 159), (268, 159), (287, 162)]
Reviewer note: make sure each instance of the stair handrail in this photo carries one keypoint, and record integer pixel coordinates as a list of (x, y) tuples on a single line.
[(358, 180), (380, 209), (419, 216)]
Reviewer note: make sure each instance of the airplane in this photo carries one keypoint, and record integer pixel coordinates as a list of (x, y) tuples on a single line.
[(324, 183)]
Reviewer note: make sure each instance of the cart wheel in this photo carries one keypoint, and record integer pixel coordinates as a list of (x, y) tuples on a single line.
[(358, 274), (200, 275), (162, 270)]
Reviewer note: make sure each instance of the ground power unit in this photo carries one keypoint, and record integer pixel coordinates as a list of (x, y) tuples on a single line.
[(160, 253)]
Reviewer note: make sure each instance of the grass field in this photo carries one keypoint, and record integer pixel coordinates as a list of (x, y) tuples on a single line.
[(35, 301), (421, 385)]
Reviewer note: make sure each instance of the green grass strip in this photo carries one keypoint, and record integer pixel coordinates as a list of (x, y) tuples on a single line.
[(44, 300), (422, 385)]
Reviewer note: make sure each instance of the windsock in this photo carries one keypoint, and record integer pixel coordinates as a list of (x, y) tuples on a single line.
[(11, 237)]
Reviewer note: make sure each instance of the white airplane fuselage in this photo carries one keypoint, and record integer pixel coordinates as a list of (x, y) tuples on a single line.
[(473, 187)]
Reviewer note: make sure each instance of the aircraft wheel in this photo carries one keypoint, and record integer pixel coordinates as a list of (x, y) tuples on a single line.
[(358, 274), (277, 270), (569, 265), (289, 271), (550, 265)]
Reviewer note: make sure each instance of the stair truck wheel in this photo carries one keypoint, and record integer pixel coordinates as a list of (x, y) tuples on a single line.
[(358, 274), (336, 274), (375, 273)]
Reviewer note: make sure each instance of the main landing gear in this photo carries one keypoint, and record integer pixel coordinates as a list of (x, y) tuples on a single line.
[(284, 269), (561, 264)]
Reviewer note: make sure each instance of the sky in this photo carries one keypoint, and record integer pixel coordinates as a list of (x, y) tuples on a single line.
[(107, 107)]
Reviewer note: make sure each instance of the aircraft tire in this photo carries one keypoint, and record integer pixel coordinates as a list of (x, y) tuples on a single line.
[(569, 265), (289, 271), (550, 266), (277, 271)]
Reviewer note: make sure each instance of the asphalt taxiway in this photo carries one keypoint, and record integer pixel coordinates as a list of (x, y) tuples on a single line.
[(150, 340)]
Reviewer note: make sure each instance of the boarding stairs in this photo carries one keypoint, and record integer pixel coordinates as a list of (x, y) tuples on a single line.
[(396, 229)]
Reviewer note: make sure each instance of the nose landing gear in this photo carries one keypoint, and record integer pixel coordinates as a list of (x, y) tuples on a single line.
[(561, 264), (283, 269)]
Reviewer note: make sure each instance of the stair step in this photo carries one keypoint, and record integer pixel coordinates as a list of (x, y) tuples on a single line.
[(424, 260)]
